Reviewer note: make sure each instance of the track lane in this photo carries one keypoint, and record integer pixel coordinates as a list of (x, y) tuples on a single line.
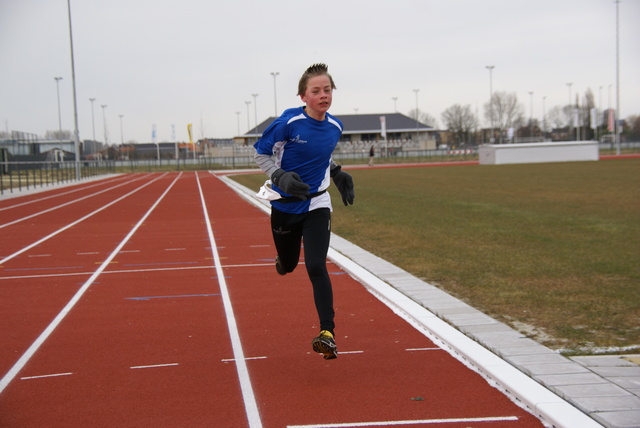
[(165, 323), (386, 370), (138, 315)]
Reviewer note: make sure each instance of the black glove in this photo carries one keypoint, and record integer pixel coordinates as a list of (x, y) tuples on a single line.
[(291, 183), (344, 183)]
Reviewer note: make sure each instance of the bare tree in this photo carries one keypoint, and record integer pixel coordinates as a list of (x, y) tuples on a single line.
[(461, 121), (504, 111), (424, 118), (58, 135)]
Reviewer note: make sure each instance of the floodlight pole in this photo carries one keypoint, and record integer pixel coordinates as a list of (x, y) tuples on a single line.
[(58, 79), (490, 68), (76, 134), (275, 93), (417, 131), (618, 116)]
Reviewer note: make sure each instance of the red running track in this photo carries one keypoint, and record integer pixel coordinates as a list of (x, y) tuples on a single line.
[(124, 304)]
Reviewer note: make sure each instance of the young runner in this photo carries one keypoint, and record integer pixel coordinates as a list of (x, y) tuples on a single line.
[(295, 152)]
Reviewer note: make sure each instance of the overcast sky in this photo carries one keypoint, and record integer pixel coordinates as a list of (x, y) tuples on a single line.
[(167, 63)]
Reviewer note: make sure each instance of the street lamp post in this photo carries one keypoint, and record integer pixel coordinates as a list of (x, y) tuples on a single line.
[(255, 111), (417, 130), (490, 68), (104, 123), (395, 104), (531, 113), (93, 119), (544, 117), (248, 124), (570, 113), (58, 79), (121, 133), (275, 93), (238, 117), (617, 116)]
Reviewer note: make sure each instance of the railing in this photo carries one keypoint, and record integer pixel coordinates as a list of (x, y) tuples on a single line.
[(27, 175)]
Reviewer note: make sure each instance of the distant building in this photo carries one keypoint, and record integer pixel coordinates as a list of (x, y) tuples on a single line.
[(364, 128)]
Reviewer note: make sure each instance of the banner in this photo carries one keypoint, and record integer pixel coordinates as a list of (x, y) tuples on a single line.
[(189, 131), (610, 128), (383, 125)]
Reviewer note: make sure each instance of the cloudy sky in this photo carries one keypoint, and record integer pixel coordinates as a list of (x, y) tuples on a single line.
[(167, 63)]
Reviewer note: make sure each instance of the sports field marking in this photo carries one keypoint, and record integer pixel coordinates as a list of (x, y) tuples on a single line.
[(169, 297), (175, 249), (423, 349), (19, 365), (70, 225), (55, 196), (44, 376), (250, 404), (54, 275), (152, 366), (39, 255), (60, 206), (415, 422), (229, 360)]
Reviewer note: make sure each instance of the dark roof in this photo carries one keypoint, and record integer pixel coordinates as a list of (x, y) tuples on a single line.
[(363, 124)]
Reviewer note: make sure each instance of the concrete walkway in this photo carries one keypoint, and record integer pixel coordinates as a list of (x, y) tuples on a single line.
[(565, 392)]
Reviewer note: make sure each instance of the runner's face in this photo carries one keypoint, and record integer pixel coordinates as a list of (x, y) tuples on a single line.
[(318, 96)]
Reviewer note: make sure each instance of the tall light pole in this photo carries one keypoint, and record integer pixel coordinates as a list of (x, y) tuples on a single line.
[(121, 134), (255, 111), (570, 113), (417, 130), (58, 79), (104, 123), (248, 124), (618, 116), (544, 116), (238, 117), (531, 113), (395, 104), (275, 92), (490, 68), (76, 133), (93, 119)]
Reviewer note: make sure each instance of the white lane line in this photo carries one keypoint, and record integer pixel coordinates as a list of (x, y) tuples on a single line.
[(106, 181), (350, 352), (19, 365), (424, 349), (415, 422), (54, 275), (70, 225), (39, 255), (250, 404), (61, 205), (47, 375), (151, 366), (175, 249), (227, 360)]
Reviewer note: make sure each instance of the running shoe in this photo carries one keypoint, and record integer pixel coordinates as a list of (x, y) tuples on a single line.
[(279, 267), (325, 345)]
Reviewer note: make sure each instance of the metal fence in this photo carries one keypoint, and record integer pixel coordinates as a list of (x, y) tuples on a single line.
[(27, 175)]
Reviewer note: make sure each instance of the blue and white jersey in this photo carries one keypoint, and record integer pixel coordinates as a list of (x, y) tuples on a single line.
[(303, 145)]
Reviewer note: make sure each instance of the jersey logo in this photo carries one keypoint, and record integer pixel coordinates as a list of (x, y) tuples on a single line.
[(298, 140)]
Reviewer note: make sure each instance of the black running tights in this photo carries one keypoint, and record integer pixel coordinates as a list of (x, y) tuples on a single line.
[(314, 229)]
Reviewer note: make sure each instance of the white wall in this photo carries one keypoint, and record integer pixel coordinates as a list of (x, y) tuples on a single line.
[(568, 151)]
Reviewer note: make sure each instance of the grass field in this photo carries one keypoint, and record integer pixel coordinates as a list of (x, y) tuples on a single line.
[(551, 249)]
